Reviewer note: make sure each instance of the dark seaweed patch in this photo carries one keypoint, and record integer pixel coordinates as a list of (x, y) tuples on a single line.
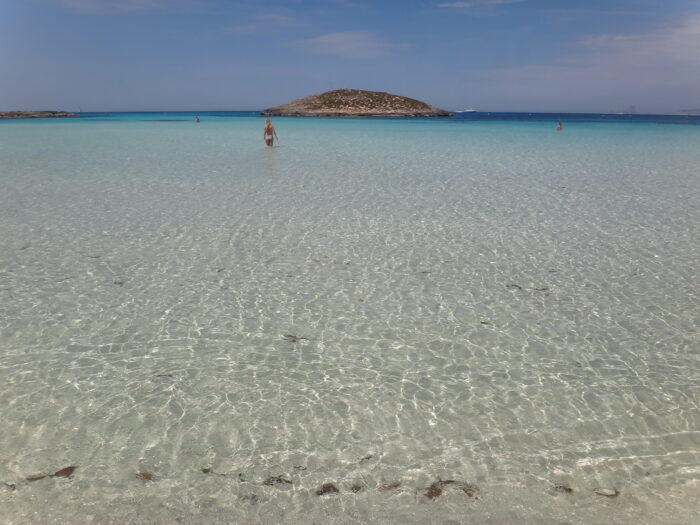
[(564, 488), (293, 338), (470, 490), (356, 488), (145, 476), (275, 480), (390, 486), (37, 477), (65, 472), (436, 489), (514, 286), (327, 488)]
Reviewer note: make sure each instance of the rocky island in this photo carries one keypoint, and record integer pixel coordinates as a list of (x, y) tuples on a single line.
[(35, 114), (356, 103)]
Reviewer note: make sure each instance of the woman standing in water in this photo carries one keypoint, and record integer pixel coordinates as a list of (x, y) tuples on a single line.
[(269, 132)]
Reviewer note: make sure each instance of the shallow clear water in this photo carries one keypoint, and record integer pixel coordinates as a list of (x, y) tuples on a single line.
[(493, 303)]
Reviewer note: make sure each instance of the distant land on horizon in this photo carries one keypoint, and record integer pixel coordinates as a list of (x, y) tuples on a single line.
[(35, 114), (356, 103), (27, 114)]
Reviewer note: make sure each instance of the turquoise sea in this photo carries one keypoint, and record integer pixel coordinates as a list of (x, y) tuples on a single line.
[(464, 320)]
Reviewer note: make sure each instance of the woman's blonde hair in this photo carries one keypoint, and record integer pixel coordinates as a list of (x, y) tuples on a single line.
[(267, 121)]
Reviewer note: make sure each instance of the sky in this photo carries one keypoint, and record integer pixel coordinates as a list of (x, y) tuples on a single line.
[(490, 55)]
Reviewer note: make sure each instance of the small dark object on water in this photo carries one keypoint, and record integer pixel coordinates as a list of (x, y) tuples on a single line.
[(206, 471), (65, 472), (542, 289), (608, 494), (327, 488), (299, 468), (390, 486), (356, 488), (564, 488), (219, 270), (119, 283), (165, 375), (10, 486), (275, 480), (293, 338), (484, 322), (144, 476), (366, 458), (514, 286), (424, 272)]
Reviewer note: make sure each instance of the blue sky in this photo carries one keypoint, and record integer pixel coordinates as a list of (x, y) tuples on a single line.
[(493, 55)]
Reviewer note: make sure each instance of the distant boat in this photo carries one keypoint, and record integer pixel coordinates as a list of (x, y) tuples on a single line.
[(470, 110)]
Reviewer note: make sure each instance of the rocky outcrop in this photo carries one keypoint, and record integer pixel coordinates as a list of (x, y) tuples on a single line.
[(35, 114), (356, 103)]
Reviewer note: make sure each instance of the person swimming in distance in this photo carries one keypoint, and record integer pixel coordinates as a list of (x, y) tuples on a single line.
[(269, 132), (196, 119), (559, 127)]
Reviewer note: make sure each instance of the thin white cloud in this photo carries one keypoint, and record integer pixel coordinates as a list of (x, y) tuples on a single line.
[(352, 44), (476, 3), (658, 70), (109, 7), (266, 21)]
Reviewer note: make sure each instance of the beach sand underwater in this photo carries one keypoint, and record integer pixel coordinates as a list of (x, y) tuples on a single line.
[(375, 321)]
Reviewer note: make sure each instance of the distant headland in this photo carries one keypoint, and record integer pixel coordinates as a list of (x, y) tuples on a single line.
[(35, 114), (356, 103)]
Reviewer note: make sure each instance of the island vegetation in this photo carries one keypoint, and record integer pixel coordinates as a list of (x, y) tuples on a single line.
[(356, 103)]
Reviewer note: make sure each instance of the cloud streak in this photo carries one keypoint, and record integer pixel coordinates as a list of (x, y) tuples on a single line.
[(114, 7), (352, 44), (266, 21), (476, 3), (658, 70)]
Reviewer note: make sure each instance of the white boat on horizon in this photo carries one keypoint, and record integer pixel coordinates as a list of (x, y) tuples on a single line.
[(470, 110)]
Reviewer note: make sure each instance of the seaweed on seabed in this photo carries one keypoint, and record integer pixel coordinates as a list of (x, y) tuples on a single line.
[(294, 338), (65, 472), (275, 480), (614, 493), (145, 476), (327, 488), (390, 486), (564, 488), (435, 490)]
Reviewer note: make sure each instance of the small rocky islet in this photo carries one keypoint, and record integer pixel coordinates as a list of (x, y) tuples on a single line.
[(35, 114), (356, 103)]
